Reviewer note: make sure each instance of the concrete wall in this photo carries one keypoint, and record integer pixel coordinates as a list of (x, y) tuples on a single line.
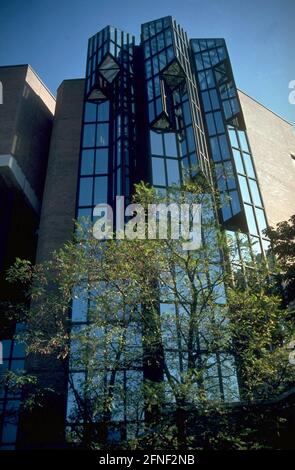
[(26, 117), (58, 209), (272, 141)]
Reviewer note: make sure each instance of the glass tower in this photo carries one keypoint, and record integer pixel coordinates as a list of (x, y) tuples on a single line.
[(159, 111)]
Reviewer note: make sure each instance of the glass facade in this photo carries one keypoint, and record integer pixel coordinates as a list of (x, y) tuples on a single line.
[(10, 400), (230, 151), (176, 132), (108, 132), (171, 90), (107, 167)]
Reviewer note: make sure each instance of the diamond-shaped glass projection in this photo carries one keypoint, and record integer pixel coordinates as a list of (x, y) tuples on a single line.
[(106, 72), (109, 68), (162, 123), (173, 74), (97, 94), (227, 90)]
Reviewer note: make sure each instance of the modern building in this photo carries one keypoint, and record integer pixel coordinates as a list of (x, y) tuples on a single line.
[(151, 112)]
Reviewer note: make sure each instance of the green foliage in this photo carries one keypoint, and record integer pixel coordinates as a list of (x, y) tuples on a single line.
[(207, 322), (283, 245)]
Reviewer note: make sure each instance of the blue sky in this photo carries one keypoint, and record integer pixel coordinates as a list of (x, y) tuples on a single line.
[(52, 36)]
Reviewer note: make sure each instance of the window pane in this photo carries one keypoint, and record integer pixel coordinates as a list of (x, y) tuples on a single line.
[(190, 139), (215, 149), (159, 172), (243, 141), (255, 193), (90, 112), (233, 138), (161, 44), (255, 246), (151, 111), (172, 172), (103, 111), (102, 138), (210, 78), (235, 203), (148, 68), (147, 49), (150, 89), (210, 124), (199, 62), (170, 145), (226, 208), (157, 86), (250, 219), (85, 191), (89, 135), (261, 219), (101, 162), (79, 305), (202, 80), (224, 147), (238, 161), (168, 37), (244, 189), (154, 45), (156, 65), (87, 162), (162, 60), (6, 343), (220, 177), (219, 122), (206, 101), (231, 184), (100, 189), (156, 143), (248, 165), (170, 54), (186, 113), (214, 99)]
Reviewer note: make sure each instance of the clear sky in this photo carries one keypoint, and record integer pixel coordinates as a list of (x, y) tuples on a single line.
[(51, 35)]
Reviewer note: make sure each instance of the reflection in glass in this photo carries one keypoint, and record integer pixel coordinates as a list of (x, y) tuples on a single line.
[(158, 172), (172, 171), (233, 138), (101, 162), (102, 138), (215, 149), (243, 141), (89, 135), (244, 189), (87, 162), (103, 111), (100, 190), (156, 143), (248, 165), (261, 219), (255, 193), (250, 219), (170, 145), (85, 191), (238, 161), (90, 112)]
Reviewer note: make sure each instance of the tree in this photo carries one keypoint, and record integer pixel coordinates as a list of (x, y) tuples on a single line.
[(283, 245), (163, 342)]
